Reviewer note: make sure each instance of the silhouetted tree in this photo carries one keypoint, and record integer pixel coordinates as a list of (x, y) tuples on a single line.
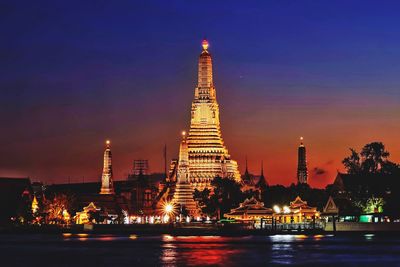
[(372, 159), (352, 163), (374, 156), (226, 194)]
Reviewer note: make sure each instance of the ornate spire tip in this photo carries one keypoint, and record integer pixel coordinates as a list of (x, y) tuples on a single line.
[(204, 44)]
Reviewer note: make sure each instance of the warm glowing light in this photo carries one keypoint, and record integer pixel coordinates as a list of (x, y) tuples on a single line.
[(133, 237), (108, 142), (169, 208), (168, 237), (301, 138), (66, 215), (166, 218), (204, 44), (187, 219), (66, 234), (286, 209), (277, 209), (83, 235), (35, 205), (183, 133)]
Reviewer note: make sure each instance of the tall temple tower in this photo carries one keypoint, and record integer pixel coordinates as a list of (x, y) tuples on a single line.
[(107, 186), (302, 173), (208, 156), (184, 191)]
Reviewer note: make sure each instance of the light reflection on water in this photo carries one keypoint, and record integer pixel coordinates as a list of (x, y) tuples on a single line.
[(195, 250), (140, 250)]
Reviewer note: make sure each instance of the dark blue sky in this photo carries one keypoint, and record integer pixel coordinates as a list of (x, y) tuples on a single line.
[(75, 73)]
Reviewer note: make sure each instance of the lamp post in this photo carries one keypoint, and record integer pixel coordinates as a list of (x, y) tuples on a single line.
[(168, 211)]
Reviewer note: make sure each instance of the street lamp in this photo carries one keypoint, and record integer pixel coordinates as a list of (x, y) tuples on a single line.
[(277, 209), (286, 209), (168, 209)]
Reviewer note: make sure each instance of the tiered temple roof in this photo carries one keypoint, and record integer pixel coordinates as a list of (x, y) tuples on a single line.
[(250, 209), (208, 156), (183, 194)]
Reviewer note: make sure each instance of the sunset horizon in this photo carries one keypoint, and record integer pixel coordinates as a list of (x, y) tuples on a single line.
[(137, 92), (200, 133)]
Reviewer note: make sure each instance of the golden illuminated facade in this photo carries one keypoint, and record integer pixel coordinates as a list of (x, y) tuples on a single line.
[(107, 186), (183, 190), (208, 156)]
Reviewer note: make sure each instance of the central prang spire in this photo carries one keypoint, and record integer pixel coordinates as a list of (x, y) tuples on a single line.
[(205, 88), (208, 156)]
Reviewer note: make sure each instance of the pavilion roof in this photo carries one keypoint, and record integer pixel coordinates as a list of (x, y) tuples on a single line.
[(251, 206), (298, 202)]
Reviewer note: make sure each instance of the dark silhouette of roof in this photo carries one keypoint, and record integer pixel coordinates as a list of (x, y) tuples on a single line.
[(377, 184), (94, 187)]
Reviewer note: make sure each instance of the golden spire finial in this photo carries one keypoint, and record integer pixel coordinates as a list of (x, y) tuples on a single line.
[(204, 44), (183, 134), (108, 142)]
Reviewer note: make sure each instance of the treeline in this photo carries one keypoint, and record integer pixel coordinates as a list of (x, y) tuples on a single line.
[(370, 186)]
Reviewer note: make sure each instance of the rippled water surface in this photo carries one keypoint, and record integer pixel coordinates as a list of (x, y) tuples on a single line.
[(136, 250)]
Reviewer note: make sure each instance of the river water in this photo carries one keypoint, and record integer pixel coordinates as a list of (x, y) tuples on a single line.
[(166, 250)]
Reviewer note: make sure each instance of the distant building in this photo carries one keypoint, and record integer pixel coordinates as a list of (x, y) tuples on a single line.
[(140, 166), (262, 183), (107, 186), (302, 172), (248, 180)]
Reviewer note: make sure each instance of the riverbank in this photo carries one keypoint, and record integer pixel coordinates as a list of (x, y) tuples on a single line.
[(153, 229), (201, 229)]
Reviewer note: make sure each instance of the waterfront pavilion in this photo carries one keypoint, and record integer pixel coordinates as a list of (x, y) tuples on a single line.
[(297, 212), (251, 210)]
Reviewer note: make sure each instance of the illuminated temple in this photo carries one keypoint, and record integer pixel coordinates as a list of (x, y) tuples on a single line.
[(208, 156), (107, 186), (183, 189)]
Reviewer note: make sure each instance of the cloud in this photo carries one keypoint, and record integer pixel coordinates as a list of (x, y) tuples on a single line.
[(318, 171)]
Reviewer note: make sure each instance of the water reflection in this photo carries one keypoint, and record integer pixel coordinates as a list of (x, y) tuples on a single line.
[(169, 254), (137, 250), (282, 248), (199, 250), (369, 237)]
